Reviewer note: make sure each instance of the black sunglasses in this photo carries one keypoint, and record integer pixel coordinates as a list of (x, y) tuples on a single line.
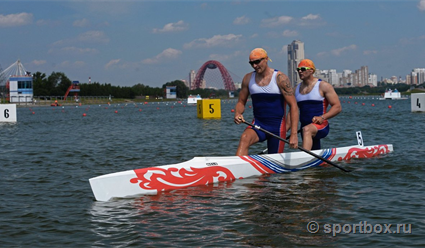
[(303, 68), (255, 62)]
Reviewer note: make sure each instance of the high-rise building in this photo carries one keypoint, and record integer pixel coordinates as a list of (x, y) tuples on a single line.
[(373, 80), (192, 76), (420, 74), (408, 79), (295, 55), (333, 77), (364, 76)]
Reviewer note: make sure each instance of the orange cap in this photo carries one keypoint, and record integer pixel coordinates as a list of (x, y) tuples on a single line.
[(307, 63), (258, 53)]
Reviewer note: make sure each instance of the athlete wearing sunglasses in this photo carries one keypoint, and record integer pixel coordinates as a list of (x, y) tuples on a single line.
[(270, 91), (303, 69), (255, 62), (313, 98)]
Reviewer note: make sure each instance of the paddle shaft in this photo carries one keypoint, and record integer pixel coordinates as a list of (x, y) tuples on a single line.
[(302, 149), (287, 137)]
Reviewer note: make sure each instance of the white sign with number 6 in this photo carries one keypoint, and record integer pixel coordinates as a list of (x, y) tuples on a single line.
[(8, 113)]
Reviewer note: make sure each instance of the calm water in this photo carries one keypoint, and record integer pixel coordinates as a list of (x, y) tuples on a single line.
[(48, 156)]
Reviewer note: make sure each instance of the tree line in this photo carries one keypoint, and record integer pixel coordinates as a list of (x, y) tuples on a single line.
[(57, 83), (367, 90)]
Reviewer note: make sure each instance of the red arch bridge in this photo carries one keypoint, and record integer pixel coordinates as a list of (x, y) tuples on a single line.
[(213, 80)]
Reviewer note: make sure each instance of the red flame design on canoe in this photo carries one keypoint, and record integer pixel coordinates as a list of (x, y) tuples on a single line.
[(161, 179), (365, 152)]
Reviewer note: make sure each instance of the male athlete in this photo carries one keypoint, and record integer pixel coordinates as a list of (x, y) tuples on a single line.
[(313, 97), (270, 91)]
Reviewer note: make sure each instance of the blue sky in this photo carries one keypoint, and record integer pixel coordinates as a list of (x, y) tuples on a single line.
[(154, 42)]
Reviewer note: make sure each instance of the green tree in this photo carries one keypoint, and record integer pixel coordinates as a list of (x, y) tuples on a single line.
[(38, 84), (182, 89)]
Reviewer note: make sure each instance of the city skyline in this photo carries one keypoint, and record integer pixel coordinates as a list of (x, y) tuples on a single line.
[(154, 42)]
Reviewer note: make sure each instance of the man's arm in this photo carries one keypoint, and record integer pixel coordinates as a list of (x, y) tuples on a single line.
[(289, 95), (243, 98), (332, 98)]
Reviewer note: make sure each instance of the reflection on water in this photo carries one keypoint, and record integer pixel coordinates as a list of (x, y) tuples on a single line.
[(267, 211)]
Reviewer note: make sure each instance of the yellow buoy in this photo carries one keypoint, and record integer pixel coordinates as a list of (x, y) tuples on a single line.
[(209, 108)]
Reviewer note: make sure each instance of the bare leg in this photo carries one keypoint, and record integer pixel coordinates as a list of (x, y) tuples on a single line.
[(248, 138), (309, 132)]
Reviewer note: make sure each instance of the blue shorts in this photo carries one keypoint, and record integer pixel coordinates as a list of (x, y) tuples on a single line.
[(321, 133), (274, 145)]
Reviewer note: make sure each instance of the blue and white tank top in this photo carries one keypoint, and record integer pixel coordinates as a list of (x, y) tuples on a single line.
[(310, 104), (268, 102)]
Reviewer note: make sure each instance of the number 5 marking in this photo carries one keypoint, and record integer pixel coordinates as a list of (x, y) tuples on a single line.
[(211, 108)]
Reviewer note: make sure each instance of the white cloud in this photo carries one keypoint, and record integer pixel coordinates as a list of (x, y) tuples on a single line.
[(81, 23), (38, 62), (112, 62), (93, 36), (321, 54), (167, 54), (311, 17), (284, 49), (412, 40), (290, 33), (87, 37), (338, 51), (14, 20), (276, 21), (421, 5), (172, 27), (73, 50), (310, 20), (79, 50), (368, 52), (241, 20), (216, 40)]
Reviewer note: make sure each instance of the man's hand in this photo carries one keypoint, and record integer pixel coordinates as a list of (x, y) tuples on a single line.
[(318, 120), (239, 119), (293, 141)]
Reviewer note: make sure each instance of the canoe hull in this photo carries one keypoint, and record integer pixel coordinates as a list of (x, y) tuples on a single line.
[(208, 170)]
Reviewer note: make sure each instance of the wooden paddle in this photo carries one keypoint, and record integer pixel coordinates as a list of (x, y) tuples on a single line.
[(302, 149)]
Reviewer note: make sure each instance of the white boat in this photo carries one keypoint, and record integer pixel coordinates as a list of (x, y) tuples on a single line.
[(208, 170), (192, 100), (392, 95)]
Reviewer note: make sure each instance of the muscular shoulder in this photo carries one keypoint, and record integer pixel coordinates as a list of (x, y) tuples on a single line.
[(281, 75), (246, 78), (325, 86), (282, 80), (284, 83)]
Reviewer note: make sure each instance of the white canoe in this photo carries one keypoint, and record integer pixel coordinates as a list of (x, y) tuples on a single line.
[(207, 170)]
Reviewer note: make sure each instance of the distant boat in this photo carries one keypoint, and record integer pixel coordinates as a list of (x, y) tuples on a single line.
[(192, 100), (392, 95)]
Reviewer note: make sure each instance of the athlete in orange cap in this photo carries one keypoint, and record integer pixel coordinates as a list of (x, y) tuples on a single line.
[(313, 97), (270, 91)]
